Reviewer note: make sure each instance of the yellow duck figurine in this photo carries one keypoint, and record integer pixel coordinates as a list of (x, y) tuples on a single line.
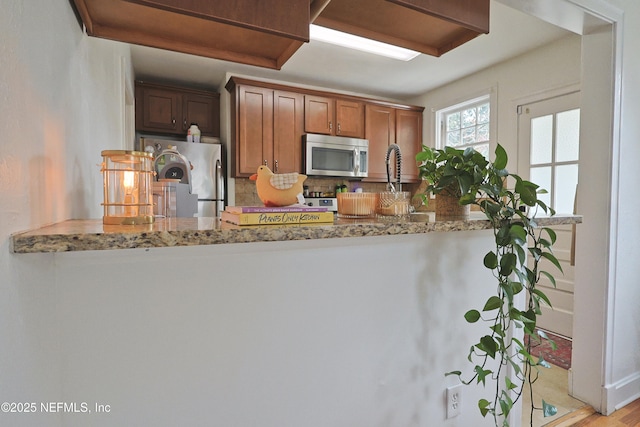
[(278, 189)]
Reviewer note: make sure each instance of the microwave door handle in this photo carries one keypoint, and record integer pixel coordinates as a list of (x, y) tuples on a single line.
[(356, 160)]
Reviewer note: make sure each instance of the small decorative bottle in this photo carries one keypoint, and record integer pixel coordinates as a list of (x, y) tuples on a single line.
[(193, 134)]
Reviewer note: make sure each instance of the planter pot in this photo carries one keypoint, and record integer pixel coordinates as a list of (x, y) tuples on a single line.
[(447, 207)]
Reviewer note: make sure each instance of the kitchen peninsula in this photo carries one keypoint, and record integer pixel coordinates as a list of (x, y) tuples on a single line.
[(313, 325), (84, 235)]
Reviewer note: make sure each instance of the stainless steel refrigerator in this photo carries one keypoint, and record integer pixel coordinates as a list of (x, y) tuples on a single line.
[(207, 175)]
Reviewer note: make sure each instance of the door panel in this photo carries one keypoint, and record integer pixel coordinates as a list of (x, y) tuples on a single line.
[(548, 137)]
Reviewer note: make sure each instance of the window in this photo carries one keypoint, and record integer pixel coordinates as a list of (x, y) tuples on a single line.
[(466, 124)]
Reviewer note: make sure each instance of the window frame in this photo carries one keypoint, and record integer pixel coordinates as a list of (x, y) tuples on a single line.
[(488, 95)]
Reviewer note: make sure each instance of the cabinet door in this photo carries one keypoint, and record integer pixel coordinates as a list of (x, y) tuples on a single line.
[(288, 128), (349, 118), (255, 130), (318, 114), (409, 139), (162, 110), (202, 110), (380, 131)]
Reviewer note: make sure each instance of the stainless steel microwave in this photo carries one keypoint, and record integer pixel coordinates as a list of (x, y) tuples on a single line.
[(326, 155)]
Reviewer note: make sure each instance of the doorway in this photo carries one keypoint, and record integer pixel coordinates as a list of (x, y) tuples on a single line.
[(549, 144), (600, 25)]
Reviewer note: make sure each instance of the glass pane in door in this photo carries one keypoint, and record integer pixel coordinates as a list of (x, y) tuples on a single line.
[(567, 135), (565, 188), (542, 177), (541, 139)]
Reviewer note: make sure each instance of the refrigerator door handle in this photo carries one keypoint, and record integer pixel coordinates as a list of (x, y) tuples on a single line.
[(220, 187)]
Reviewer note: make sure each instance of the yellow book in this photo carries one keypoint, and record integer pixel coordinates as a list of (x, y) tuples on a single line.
[(277, 218)]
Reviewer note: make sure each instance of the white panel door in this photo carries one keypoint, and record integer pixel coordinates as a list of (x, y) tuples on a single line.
[(549, 140)]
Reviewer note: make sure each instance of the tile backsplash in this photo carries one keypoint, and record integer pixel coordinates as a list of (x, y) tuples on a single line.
[(246, 194)]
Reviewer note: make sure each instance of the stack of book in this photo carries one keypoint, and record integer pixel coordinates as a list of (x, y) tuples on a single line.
[(262, 215)]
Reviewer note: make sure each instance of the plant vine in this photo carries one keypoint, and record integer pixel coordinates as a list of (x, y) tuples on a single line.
[(503, 354)]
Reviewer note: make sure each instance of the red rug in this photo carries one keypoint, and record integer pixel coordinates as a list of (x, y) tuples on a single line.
[(561, 356)]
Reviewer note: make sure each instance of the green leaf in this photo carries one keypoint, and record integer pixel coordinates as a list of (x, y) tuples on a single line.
[(507, 264), (488, 345), (472, 316), (501, 159), (493, 303), (483, 405), (518, 234), (457, 373), (551, 233), (542, 296), (510, 384), (548, 410), (491, 260), (482, 374), (522, 255), (506, 408), (552, 258)]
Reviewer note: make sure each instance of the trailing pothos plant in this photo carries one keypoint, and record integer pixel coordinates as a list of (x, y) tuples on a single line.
[(503, 354)]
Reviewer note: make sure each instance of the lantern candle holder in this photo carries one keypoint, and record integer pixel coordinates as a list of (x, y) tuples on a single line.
[(127, 181)]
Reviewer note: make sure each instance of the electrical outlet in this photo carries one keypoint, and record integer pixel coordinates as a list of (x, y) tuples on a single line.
[(454, 400)]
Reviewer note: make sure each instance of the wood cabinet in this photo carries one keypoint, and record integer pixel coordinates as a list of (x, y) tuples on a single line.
[(268, 121), (387, 125), (288, 128), (380, 125), (267, 129), (332, 116), (171, 109), (409, 139)]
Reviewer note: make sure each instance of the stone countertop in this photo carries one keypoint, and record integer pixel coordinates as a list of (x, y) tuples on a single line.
[(87, 235)]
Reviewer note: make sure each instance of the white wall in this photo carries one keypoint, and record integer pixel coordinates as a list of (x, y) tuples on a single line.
[(329, 333), (554, 66), (622, 296), (59, 107)]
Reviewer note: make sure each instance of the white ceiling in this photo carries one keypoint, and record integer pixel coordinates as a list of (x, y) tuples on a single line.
[(319, 64)]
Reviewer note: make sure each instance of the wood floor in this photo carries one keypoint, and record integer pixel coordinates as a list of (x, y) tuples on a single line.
[(629, 416)]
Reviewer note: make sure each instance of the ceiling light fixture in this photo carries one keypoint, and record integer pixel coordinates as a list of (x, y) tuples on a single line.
[(350, 41)]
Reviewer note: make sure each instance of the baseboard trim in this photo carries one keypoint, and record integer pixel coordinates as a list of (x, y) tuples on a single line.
[(621, 393)]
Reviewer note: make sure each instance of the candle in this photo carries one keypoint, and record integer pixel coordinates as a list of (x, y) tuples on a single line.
[(129, 194)]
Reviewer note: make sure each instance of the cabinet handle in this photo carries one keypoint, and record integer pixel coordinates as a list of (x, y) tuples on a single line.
[(276, 166), (338, 127), (265, 162), (173, 122), (184, 124), (330, 126)]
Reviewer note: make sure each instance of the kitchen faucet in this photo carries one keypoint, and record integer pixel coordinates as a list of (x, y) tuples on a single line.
[(390, 186)]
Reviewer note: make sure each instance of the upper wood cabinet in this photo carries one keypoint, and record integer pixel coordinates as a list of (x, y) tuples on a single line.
[(266, 129), (171, 109), (268, 121), (319, 113), (380, 130), (349, 118), (409, 139), (262, 33), (388, 125), (288, 128), (332, 116)]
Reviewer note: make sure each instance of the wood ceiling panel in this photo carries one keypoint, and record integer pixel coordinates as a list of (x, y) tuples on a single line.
[(409, 25), (161, 28)]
